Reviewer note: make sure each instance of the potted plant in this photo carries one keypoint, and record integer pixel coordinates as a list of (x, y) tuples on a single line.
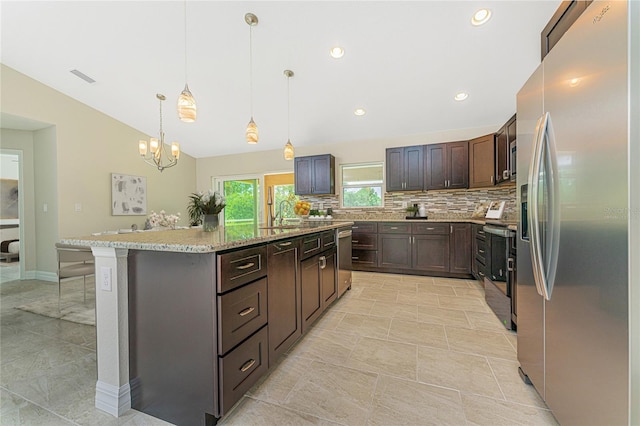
[(204, 208)]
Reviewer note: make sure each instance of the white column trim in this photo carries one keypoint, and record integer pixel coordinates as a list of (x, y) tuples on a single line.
[(113, 393), (112, 399)]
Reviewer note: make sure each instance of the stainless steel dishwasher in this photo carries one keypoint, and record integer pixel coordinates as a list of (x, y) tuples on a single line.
[(344, 261)]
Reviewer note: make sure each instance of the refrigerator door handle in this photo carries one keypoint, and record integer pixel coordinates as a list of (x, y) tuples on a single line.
[(532, 211), (553, 241), (544, 267)]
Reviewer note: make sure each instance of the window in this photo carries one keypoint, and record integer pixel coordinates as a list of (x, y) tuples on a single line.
[(242, 195), (362, 185)]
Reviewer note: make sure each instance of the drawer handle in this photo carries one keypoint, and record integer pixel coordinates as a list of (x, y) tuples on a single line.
[(354, 227), (430, 229), (481, 274), (355, 241), (246, 266), (394, 227), (480, 251), (288, 243), (247, 365), (354, 258), (247, 311), (481, 232)]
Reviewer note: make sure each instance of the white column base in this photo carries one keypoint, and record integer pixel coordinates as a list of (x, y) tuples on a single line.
[(115, 401)]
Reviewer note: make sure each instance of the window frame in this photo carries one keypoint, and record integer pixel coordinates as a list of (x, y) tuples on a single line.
[(381, 185)]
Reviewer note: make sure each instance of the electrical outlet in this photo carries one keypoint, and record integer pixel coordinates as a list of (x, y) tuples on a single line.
[(404, 204), (320, 206), (45, 207), (78, 207), (105, 278)]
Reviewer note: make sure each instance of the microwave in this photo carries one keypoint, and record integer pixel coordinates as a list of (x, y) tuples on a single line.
[(512, 160)]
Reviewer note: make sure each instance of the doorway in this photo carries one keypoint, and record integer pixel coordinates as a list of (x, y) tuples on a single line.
[(243, 195), (12, 206)]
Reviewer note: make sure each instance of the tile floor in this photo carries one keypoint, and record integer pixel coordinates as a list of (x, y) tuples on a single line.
[(395, 350)]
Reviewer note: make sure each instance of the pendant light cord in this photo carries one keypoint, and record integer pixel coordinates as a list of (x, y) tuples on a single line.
[(251, 70), (186, 78), (288, 109)]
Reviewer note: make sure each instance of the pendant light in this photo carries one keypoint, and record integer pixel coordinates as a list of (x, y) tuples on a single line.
[(186, 102), (252, 128), (158, 157), (288, 148)]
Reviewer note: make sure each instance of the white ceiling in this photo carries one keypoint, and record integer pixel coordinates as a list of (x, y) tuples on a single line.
[(404, 62)]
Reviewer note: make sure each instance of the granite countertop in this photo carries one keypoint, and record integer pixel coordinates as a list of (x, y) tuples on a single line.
[(197, 241)]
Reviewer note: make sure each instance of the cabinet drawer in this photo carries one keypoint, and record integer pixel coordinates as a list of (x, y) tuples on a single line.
[(241, 369), (440, 228), (364, 257), (364, 241), (479, 232), (328, 239), (284, 245), (481, 251), (240, 313), (311, 245), (371, 227), (240, 267), (394, 228)]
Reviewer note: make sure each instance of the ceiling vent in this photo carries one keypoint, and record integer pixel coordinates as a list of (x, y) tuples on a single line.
[(82, 76)]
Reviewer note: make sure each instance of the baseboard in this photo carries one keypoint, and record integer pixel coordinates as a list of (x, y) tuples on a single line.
[(113, 400), (41, 275)]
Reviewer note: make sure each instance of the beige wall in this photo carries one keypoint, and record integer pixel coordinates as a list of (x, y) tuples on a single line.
[(347, 152), (89, 146)]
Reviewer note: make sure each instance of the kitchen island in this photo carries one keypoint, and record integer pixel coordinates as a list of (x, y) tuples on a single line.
[(187, 321)]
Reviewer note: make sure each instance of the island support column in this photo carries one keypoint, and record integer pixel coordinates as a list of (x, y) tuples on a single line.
[(113, 393)]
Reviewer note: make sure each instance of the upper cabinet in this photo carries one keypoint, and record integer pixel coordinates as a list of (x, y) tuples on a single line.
[(482, 161), (315, 175), (446, 165), (568, 12), (405, 168), (504, 138)]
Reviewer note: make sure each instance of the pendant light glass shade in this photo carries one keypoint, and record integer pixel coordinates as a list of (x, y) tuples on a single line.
[(187, 106), (252, 132), (288, 151)]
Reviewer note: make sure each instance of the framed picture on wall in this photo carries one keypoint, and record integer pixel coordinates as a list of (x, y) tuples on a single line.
[(128, 195)]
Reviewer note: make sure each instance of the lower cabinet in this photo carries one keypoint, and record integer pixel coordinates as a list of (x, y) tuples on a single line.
[(285, 321), (318, 284), (440, 248), (460, 254)]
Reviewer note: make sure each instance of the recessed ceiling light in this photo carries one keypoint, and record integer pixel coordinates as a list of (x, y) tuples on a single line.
[(359, 112), (481, 16), (574, 82), (461, 96), (336, 52)]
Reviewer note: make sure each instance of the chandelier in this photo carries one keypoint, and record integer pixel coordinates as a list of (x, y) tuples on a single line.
[(158, 157)]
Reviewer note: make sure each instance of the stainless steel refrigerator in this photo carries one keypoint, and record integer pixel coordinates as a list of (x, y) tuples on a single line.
[(573, 243)]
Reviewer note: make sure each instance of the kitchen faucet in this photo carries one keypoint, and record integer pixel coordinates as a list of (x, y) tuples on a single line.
[(279, 214)]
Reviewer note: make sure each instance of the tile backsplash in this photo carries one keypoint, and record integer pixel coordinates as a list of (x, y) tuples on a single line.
[(442, 204)]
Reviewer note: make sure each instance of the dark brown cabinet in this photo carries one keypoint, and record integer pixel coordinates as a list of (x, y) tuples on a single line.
[(364, 246), (447, 165), (315, 175), (405, 168), (285, 322), (482, 161), (460, 254), (440, 248), (318, 281), (504, 137), (479, 252)]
